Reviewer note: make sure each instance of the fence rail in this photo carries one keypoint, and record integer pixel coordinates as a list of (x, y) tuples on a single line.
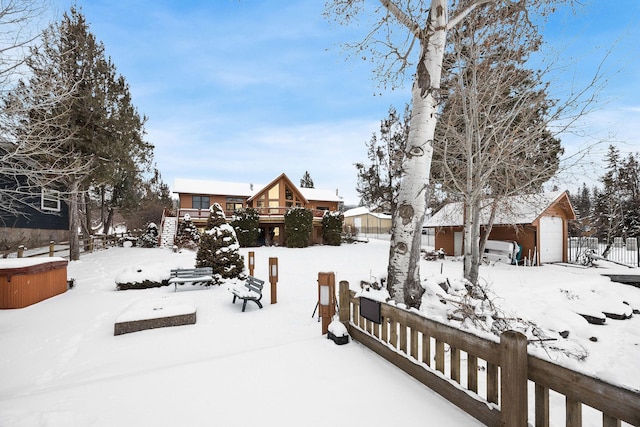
[(492, 385), (87, 245)]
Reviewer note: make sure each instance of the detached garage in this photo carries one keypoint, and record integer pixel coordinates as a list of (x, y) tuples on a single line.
[(537, 222)]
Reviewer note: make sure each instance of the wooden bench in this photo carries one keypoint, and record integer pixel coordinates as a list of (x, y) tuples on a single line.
[(200, 275), (251, 290)]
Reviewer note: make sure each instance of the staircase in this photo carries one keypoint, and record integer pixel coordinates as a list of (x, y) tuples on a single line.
[(168, 233)]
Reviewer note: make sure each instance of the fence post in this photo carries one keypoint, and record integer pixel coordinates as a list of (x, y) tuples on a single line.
[(343, 303), (20, 251), (513, 379)]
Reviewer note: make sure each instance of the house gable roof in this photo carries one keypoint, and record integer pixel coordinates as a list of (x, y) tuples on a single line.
[(282, 178), (523, 209)]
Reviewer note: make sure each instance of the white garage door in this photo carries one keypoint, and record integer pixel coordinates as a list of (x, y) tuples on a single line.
[(551, 237)]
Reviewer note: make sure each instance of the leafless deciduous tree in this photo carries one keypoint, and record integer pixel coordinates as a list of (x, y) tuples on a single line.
[(494, 135), (33, 157), (404, 26), (17, 33)]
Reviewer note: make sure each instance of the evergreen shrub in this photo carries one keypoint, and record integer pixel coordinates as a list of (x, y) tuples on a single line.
[(245, 223), (298, 225), (332, 228), (219, 248), (188, 235), (150, 237)]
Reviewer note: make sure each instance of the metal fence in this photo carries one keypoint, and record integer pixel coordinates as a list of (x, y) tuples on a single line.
[(622, 251)]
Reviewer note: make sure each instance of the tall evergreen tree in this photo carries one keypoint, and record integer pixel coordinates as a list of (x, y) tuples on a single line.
[(582, 204), (306, 181), (608, 209), (219, 248), (379, 180), (97, 122)]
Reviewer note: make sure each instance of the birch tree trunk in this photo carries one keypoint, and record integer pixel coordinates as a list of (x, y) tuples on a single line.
[(408, 217)]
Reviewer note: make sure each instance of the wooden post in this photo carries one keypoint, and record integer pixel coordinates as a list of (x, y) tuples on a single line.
[(542, 406), (252, 261), (513, 379), (573, 413), (20, 251), (273, 279), (326, 298), (52, 245), (344, 298)]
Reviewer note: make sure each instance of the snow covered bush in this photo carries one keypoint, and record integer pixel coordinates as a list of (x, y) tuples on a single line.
[(298, 225), (219, 248), (188, 235), (245, 222), (332, 228), (150, 237)]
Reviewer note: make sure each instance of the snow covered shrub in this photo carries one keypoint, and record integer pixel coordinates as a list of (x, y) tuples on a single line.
[(332, 228), (245, 223), (298, 225), (188, 235), (219, 248), (150, 237)]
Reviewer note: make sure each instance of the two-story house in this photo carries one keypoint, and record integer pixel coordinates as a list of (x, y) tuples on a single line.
[(271, 201)]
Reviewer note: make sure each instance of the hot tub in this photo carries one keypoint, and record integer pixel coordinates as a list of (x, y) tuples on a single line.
[(26, 281)]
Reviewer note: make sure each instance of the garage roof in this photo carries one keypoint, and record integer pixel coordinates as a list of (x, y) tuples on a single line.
[(523, 209)]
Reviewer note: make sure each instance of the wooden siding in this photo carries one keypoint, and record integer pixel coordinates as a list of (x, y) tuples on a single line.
[(21, 287), (526, 236)]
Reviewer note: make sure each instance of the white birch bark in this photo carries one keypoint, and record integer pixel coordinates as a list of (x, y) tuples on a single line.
[(404, 252)]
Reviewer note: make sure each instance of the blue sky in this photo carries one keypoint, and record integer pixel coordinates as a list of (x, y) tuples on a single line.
[(245, 90)]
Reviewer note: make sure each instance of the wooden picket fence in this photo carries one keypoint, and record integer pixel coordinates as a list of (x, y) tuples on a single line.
[(493, 384)]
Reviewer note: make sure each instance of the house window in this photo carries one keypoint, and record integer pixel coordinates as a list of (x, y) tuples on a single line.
[(200, 202), (50, 200), (234, 203)]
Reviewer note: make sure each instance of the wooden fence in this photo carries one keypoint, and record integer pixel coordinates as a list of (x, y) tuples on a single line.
[(493, 384), (87, 245)]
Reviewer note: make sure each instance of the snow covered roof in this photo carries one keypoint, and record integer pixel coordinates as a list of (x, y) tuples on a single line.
[(523, 209), (363, 210), (317, 194), (197, 186), (243, 189)]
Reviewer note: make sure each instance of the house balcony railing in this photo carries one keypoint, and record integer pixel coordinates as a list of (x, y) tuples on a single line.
[(267, 212)]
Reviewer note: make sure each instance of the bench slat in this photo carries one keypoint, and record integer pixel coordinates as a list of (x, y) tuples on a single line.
[(250, 291), (181, 276)]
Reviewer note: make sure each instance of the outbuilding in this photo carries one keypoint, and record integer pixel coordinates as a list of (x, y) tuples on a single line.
[(539, 223), (362, 221)]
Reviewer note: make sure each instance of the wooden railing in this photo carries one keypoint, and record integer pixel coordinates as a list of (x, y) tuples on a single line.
[(492, 385), (87, 245), (203, 214)]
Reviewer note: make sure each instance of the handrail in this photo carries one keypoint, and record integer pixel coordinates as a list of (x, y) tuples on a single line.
[(276, 211)]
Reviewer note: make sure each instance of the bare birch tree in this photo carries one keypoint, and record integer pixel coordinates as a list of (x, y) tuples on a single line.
[(407, 33), (494, 135)]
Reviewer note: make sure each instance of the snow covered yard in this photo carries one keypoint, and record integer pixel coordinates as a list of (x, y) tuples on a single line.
[(61, 365)]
